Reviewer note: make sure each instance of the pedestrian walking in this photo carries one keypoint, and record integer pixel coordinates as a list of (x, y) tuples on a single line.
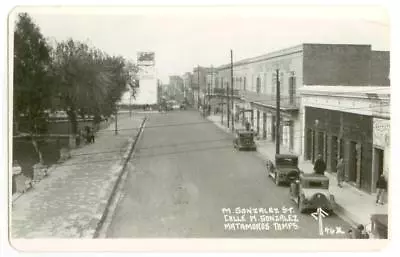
[(319, 165), (340, 172), (381, 187)]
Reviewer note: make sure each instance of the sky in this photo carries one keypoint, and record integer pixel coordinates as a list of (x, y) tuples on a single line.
[(183, 38)]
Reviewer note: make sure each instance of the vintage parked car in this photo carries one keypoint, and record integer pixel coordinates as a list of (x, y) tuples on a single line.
[(244, 140), (310, 192), (284, 168), (379, 226)]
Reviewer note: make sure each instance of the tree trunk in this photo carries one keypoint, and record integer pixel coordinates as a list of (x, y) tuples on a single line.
[(74, 122), (35, 145)]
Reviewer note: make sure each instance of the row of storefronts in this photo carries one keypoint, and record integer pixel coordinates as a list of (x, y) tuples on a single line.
[(349, 123), (311, 121)]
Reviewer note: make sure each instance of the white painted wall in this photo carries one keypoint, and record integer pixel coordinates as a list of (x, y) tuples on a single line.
[(147, 92)]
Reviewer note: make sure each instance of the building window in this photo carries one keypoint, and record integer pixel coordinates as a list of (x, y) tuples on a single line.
[(292, 88), (258, 85), (273, 80), (282, 81), (265, 83), (244, 84)]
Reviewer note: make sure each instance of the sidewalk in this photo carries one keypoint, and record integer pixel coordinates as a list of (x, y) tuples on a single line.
[(72, 200), (354, 205)]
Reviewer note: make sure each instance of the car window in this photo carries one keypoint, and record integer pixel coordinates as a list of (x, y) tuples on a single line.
[(315, 184), (287, 161)]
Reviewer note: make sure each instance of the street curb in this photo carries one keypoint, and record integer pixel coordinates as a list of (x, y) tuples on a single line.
[(341, 212), (339, 209), (119, 171)]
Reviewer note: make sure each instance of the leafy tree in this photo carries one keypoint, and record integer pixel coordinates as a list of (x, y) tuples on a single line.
[(79, 80), (89, 81), (32, 91)]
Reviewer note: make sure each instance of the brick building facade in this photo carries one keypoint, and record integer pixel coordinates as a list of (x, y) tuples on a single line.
[(254, 80), (342, 122)]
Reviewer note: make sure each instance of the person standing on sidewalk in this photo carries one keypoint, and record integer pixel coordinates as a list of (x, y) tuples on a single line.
[(319, 165), (381, 187), (340, 172)]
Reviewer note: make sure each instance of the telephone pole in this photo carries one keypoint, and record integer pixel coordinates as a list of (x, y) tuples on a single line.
[(198, 88), (278, 113), (130, 105), (233, 118), (228, 113), (210, 89), (116, 120)]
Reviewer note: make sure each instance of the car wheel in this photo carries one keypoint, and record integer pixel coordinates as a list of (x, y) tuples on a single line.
[(301, 205)]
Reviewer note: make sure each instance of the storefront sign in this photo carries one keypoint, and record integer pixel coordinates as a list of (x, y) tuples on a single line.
[(381, 132)]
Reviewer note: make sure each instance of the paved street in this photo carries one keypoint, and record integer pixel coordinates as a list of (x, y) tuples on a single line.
[(185, 171)]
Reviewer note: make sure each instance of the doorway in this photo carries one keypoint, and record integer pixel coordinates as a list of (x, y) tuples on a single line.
[(352, 160), (264, 125), (378, 164), (319, 145), (291, 136), (334, 153), (309, 145), (379, 155), (341, 148)]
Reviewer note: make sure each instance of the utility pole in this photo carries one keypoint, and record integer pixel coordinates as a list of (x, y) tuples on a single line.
[(233, 118), (222, 113), (228, 113), (278, 113), (116, 120), (198, 88), (130, 105), (209, 89)]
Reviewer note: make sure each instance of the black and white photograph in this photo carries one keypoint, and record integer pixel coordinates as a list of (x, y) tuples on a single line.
[(235, 122)]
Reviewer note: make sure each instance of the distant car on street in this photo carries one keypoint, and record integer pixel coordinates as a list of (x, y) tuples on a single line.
[(283, 169), (244, 140)]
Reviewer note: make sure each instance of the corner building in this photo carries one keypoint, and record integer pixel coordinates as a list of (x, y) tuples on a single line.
[(329, 65)]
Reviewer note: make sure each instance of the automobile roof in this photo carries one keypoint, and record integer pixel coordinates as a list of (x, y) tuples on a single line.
[(243, 131)]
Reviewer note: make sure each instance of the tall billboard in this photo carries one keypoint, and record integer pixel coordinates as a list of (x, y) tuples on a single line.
[(146, 93), (145, 59)]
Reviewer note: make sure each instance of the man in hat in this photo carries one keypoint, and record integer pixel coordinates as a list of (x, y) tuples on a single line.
[(319, 165)]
